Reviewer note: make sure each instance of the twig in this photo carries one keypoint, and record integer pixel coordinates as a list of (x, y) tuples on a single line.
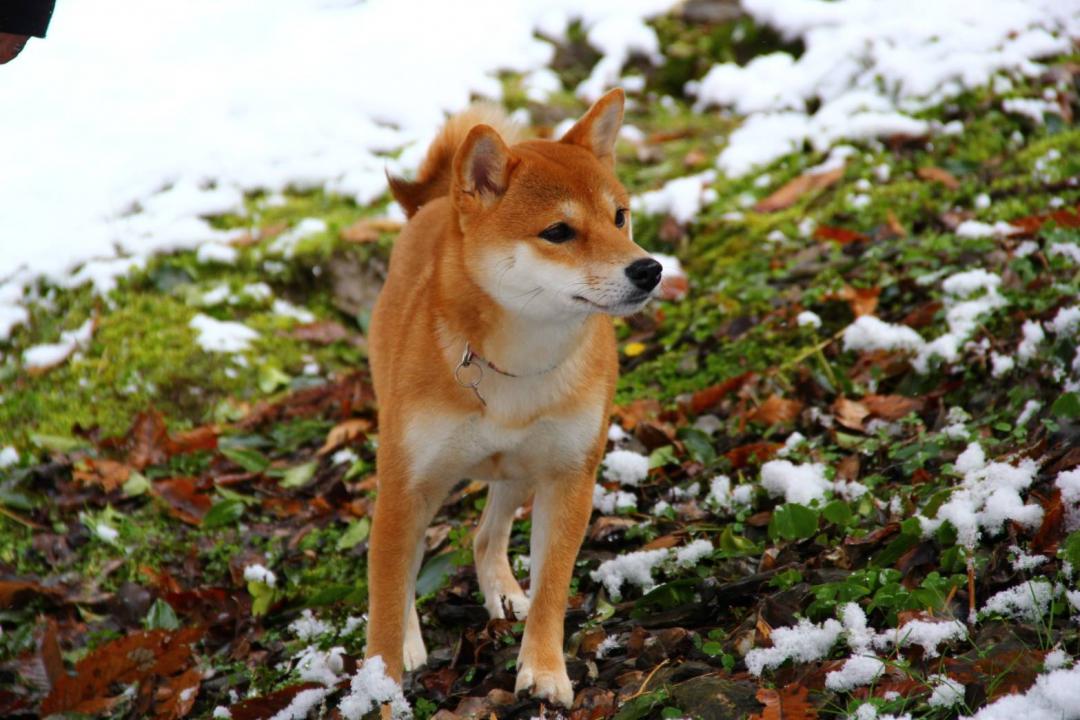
[(645, 682), (20, 519)]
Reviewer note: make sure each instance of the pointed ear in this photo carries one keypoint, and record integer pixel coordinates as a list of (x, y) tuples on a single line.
[(482, 164), (599, 128)]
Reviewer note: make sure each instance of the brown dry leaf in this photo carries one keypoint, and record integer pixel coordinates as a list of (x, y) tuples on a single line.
[(891, 407), (1052, 529), (893, 227), (133, 658), (790, 192), (321, 332), (344, 433), (201, 438), (607, 525), (788, 703), (369, 229), (674, 287), (176, 697), (107, 474), (776, 410), (631, 414), (707, 399), (863, 301), (183, 498), (268, 705), (850, 413), (843, 236), (663, 542), (12, 589), (756, 453), (938, 175)]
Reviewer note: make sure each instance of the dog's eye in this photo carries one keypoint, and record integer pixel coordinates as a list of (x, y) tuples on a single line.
[(558, 233), (620, 217)]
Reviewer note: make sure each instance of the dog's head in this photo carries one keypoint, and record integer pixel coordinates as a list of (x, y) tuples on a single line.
[(546, 224)]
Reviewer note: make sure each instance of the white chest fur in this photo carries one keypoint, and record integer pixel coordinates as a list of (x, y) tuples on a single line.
[(480, 446)]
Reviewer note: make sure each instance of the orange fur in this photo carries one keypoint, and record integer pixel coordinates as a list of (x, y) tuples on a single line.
[(471, 268)]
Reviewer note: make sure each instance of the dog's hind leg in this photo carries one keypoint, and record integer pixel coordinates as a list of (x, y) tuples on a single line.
[(501, 590)]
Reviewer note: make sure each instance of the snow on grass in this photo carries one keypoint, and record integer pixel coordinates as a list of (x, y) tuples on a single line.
[(930, 635), (1054, 695), (801, 484), (369, 688), (866, 74), (244, 112), (1068, 481), (808, 318), (8, 456), (610, 501), (323, 667), (1027, 601), (1066, 321), (946, 692), (260, 574), (682, 198), (221, 335), (287, 309), (868, 334), (976, 229), (302, 704), (804, 642), (1065, 250), (637, 568), (214, 252), (1033, 336), (48, 355), (726, 498), (962, 314), (988, 496), (857, 671), (625, 467), (307, 626)]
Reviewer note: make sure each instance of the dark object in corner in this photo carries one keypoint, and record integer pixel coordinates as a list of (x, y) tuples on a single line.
[(26, 17)]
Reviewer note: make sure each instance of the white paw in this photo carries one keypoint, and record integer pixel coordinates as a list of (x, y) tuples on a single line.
[(414, 652), (497, 606), (550, 685)]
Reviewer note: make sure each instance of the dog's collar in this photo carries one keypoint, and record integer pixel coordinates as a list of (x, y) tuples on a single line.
[(469, 359)]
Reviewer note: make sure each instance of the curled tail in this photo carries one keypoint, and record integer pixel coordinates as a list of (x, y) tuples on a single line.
[(433, 177)]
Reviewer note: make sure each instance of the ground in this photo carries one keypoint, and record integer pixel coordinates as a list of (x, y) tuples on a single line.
[(186, 528)]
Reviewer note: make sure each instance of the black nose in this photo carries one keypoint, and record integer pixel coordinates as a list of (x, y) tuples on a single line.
[(644, 273)]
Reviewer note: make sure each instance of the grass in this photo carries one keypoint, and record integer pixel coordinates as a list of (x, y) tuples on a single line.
[(266, 494)]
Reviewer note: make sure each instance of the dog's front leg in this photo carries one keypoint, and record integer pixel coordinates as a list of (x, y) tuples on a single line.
[(403, 509), (560, 517)]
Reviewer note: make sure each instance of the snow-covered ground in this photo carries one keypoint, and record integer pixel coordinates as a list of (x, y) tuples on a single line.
[(134, 120)]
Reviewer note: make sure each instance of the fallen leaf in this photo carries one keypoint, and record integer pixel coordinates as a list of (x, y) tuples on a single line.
[(100, 472), (752, 453), (674, 287), (632, 413), (322, 332), (939, 175), (776, 410), (183, 498), (135, 657), (863, 301), (850, 413), (891, 407), (12, 589), (893, 228), (177, 696), (842, 236), (344, 433), (707, 399), (790, 192), (788, 703), (268, 705), (1053, 525)]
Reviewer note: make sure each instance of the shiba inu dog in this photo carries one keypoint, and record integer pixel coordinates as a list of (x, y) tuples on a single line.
[(494, 359)]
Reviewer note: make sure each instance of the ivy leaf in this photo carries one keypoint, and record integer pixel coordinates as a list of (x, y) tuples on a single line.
[(792, 521)]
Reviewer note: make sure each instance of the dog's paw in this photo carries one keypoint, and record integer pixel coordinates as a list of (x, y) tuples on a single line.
[(552, 685), (414, 652)]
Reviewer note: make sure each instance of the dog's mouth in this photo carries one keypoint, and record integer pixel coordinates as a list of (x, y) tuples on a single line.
[(624, 306)]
